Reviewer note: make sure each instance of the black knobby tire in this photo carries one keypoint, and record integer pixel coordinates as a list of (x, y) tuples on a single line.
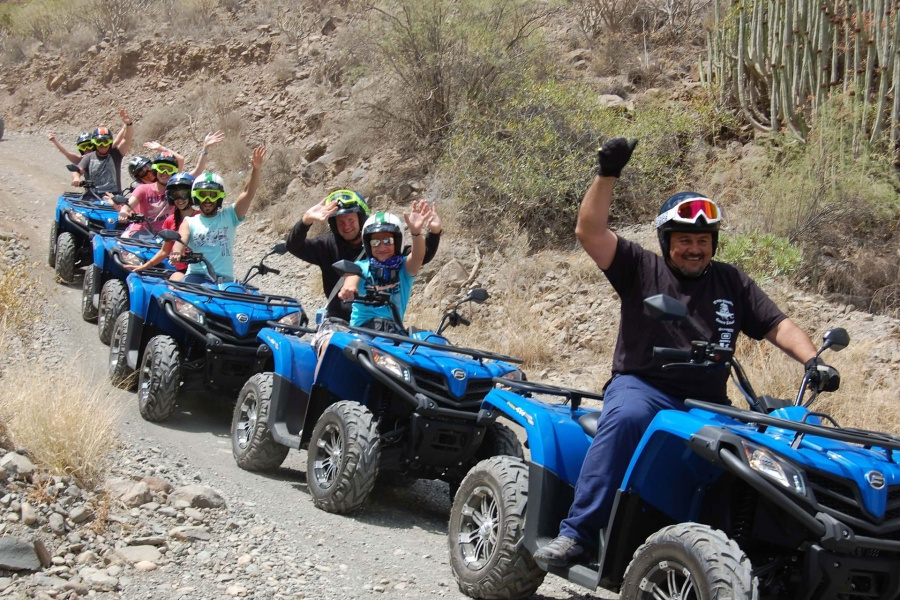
[(113, 302), (689, 561), (51, 256), (65, 257), (88, 312), (120, 374), (499, 440), (486, 531), (252, 443), (159, 379), (342, 458)]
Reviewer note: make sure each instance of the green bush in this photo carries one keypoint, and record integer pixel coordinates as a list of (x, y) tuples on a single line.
[(761, 255), (527, 160)]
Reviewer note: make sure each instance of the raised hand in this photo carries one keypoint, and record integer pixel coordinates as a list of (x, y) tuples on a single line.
[(613, 156), (259, 156), (321, 211), (417, 219), (153, 146), (213, 138)]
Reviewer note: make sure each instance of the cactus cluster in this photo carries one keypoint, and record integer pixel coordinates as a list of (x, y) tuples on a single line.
[(779, 61)]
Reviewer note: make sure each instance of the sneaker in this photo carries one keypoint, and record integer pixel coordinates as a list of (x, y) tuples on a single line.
[(561, 552)]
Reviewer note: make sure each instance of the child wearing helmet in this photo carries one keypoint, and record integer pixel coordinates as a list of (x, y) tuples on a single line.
[(178, 195), (385, 267), (103, 165)]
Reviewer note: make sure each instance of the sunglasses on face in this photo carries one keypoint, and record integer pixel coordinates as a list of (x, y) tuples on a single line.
[(102, 143), (204, 196), (386, 241), (85, 146), (690, 210), (164, 169)]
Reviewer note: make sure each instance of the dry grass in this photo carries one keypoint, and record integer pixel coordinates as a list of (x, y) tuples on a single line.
[(66, 421), (18, 294), (864, 400)]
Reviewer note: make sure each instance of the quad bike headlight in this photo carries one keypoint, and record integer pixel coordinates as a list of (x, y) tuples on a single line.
[(291, 319), (130, 258), (77, 217), (388, 363), (189, 311), (514, 375), (772, 466)]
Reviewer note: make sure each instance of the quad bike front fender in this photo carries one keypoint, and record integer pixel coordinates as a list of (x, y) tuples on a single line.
[(556, 439), (295, 366)]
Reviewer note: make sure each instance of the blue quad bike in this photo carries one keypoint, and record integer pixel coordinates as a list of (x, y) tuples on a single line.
[(179, 337), (104, 293), (388, 406), (776, 502), (78, 216)]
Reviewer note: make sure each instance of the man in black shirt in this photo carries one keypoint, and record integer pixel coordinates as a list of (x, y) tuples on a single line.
[(345, 211), (723, 302)]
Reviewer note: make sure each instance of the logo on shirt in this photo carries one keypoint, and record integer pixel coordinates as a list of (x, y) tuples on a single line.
[(724, 315)]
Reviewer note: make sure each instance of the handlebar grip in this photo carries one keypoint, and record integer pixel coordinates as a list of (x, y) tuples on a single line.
[(465, 321), (673, 354), (271, 270)]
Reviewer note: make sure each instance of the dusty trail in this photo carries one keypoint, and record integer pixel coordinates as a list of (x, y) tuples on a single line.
[(399, 532)]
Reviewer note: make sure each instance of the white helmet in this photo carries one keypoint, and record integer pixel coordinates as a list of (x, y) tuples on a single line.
[(382, 222)]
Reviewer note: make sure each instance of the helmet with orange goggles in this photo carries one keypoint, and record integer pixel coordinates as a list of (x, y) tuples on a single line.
[(208, 187), (690, 212)]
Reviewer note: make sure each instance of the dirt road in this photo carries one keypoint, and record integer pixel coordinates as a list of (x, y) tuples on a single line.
[(398, 533)]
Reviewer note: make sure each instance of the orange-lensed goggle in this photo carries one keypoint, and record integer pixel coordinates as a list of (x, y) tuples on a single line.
[(688, 211)]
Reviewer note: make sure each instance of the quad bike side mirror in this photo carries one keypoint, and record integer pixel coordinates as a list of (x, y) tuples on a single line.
[(836, 339), (170, 235), (347, 267), (119, 199), (72, 168), (477, 295), (665, 308), (279, 248)]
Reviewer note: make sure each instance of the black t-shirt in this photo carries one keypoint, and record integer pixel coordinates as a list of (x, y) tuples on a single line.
[(723, 302)]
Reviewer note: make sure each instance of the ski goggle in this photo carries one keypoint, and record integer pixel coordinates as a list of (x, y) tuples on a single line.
[(143, 173), (85, 146), (180, 195), (688, 211), (386, 241), (208, 195), (102, 143), (165, 169)]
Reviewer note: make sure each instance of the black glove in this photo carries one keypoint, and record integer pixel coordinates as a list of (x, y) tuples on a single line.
[(613, 156), (822, 377)]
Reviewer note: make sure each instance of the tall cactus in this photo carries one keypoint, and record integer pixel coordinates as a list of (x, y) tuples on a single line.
[(779, 61)]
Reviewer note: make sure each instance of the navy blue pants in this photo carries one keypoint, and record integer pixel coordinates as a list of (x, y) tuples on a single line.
[(629, 405)]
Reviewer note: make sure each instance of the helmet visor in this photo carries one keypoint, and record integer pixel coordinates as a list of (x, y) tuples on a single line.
[(688, 211)]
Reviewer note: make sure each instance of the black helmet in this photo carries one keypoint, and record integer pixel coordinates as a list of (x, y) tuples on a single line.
[(165, 158), (101, 136), (84, 142), (179, 182), (691, 212), (348, 202), (136, 164)]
